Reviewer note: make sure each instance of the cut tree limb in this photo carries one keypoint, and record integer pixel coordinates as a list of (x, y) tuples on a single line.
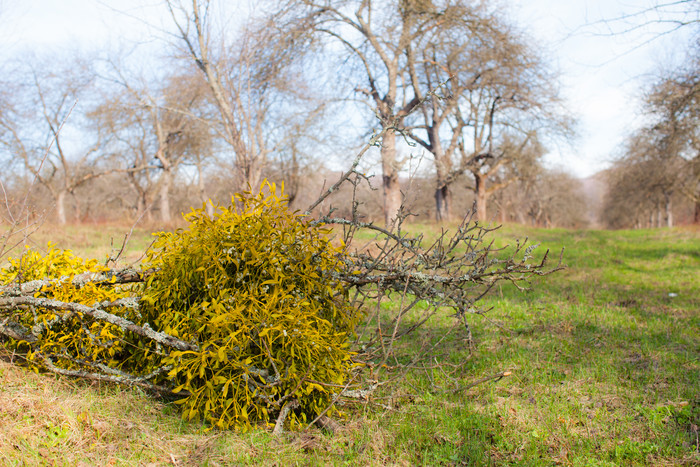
[(111, 277), (98, 312)]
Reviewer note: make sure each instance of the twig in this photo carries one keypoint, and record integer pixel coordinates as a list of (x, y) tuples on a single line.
[(127, 237), (372, 142), (48, 363), (288, 407), (497, 377), (109, 277)]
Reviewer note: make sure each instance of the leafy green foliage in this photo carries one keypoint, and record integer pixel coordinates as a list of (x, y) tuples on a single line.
[(252, 289)]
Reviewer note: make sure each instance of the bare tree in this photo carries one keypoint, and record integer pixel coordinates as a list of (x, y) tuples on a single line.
[(674, 104), (377, 35), (451, 65), (491, 89), (643, 184), (154, 129), (245, 77), (42, 130), (661, 161), (553, 199)]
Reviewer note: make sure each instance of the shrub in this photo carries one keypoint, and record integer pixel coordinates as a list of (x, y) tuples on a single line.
[(253, 290), (64, 338)]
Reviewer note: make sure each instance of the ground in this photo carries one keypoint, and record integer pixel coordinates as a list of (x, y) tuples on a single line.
[(603, 360)]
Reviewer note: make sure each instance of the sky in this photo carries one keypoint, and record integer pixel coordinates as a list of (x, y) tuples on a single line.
[(602, 73)]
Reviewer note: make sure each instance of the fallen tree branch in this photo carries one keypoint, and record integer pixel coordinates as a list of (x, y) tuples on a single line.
[(110, 277), (123, 379), (15, 330), (98, 312), (362, 394)]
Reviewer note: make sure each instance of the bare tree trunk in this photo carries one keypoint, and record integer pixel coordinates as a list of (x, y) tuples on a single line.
[(61, 207), (669, 209), (481, 196), (203, 192), (443, 203), (390, 178), (165, 182), (443, 194)]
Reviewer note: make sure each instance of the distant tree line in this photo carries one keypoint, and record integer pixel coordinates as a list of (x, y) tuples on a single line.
[(657, 180), (289, 96)]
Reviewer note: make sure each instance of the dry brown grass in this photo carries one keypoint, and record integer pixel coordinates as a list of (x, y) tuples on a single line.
[(45, 420), (87, 241), (49, 420)]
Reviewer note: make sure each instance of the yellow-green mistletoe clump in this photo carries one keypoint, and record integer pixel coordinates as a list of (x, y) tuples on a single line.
[(63, 338), (253, 290)]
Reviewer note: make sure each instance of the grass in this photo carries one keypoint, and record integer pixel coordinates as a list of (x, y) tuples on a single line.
[(604, 359), (98, 241)]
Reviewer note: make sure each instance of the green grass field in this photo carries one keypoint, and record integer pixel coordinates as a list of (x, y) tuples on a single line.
[(604, 362)]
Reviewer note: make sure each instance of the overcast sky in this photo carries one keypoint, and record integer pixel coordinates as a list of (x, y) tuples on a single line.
[(601, 74)]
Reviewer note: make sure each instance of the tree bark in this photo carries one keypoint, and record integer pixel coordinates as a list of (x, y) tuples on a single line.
[(481, 196), (390, 178), (443, 194), (165, 182), (61, 207), (443, 203)]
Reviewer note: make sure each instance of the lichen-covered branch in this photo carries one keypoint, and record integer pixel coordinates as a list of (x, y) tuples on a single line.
[(110, 277), (122, 378), (97, 311)]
